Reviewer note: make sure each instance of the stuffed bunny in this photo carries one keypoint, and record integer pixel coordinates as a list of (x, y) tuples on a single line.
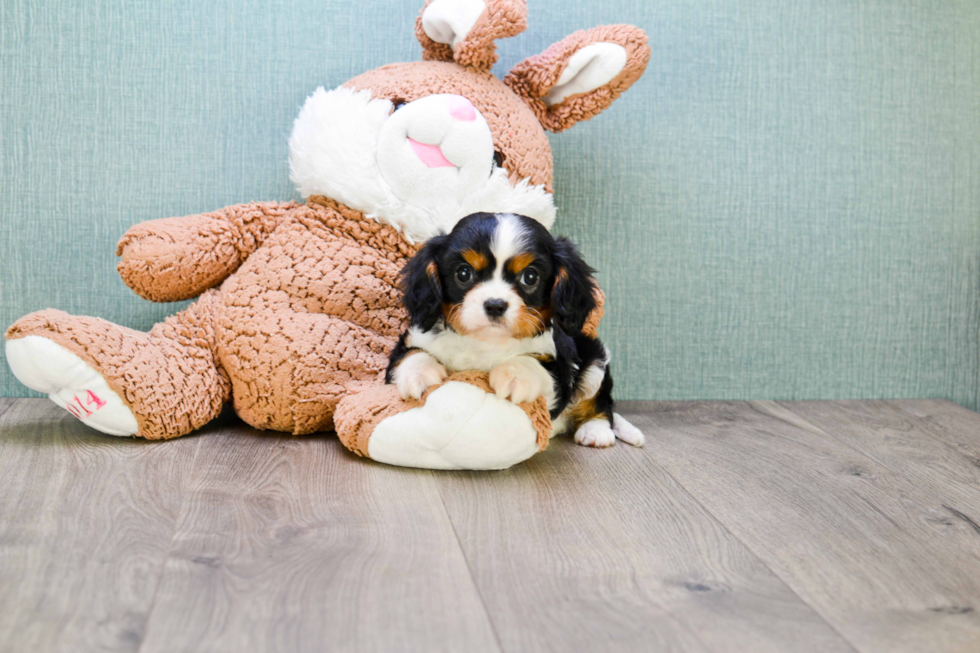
[(298, 304)]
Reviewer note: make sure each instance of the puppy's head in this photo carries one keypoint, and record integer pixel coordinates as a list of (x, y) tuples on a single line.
[(499, 276)]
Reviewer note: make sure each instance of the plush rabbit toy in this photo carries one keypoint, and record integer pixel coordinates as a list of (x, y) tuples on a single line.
[(298, 304)]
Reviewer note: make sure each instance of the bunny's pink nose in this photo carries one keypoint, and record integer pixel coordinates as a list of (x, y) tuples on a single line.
[(461, 109)]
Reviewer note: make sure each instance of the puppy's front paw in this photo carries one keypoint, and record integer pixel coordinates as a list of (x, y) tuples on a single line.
[(520, 379), (416, 373), (595, 433)]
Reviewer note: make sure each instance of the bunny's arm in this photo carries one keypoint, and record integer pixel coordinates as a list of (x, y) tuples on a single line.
[(171, 259)]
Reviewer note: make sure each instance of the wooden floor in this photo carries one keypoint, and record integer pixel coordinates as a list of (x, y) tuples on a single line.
[(843, 526)]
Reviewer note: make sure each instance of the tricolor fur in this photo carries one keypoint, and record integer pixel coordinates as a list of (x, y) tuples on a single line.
[(501, 295)]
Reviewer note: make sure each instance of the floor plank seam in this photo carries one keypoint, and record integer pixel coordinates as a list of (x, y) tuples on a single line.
[(170, 548), (866, 454), (648, 451), (469, 570), (821, 431), (935, 438)]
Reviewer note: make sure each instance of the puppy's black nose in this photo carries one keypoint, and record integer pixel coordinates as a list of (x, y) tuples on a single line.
[(495, 307)]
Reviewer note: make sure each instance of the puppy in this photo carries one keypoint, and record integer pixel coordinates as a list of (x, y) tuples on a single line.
[(501, 295)]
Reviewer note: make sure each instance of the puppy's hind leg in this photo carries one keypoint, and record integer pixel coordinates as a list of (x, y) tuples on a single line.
[(626, 431), (594, 415), (600, 426)]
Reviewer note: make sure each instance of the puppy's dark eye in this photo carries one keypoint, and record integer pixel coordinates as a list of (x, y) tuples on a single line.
[(397, 103), (530, 277), (464, 274), (498, 159)]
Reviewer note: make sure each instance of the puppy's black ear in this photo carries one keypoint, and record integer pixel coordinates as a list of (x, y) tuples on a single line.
[(422, 287), (573, 296)]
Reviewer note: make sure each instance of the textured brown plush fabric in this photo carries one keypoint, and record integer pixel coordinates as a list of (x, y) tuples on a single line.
[(535, 76), (309, 317), (501, 19), (168, 377), (179, 258), (359, 414), (517, 134), (322, 311)]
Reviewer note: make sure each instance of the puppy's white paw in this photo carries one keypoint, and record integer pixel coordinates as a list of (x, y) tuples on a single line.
[(416, 373), (595, 433), (627, 432), (521, 379)]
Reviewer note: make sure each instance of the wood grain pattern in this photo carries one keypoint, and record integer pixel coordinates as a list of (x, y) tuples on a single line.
[(953, 425), (912, 447), (762, 526), (580, 549), (85, 521), (851, 536), (294, 544)]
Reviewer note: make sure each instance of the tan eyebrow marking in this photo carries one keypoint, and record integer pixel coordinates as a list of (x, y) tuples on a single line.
[(519, 262), (475, 259)]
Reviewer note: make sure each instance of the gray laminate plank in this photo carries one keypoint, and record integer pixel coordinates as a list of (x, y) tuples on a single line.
[(599, 550), (294, 544), (85, 522), (6, 403), (953, 425), (910, 446), (848, 534)]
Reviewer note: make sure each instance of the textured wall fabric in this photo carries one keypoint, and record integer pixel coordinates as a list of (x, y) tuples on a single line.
[(787, 205)]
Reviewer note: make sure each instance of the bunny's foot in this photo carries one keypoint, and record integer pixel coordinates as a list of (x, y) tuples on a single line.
[(458, 424), (45, 366)]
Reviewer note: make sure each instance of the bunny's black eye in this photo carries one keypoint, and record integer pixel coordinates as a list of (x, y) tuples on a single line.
[(464, 274)]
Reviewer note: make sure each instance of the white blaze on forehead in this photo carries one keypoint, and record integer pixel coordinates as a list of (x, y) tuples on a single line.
[(509, 240)]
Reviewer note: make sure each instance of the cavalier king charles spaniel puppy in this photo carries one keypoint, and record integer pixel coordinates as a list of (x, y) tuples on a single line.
[(501, 295)]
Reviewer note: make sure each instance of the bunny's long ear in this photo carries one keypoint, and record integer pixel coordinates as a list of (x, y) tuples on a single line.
[(464, 31), (581, 75)]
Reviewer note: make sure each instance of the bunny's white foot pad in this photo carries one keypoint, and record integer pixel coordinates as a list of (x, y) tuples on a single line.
[(47, 367), (459, 427)]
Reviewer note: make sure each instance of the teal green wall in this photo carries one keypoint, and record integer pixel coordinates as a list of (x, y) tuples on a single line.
[(787, 205)]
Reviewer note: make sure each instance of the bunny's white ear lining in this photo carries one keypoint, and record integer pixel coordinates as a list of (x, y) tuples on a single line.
[(590, 68), (450, 21)]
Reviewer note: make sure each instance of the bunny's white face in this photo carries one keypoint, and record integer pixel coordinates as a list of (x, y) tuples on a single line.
[(437, 144), (423, 165), (420, 166)]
